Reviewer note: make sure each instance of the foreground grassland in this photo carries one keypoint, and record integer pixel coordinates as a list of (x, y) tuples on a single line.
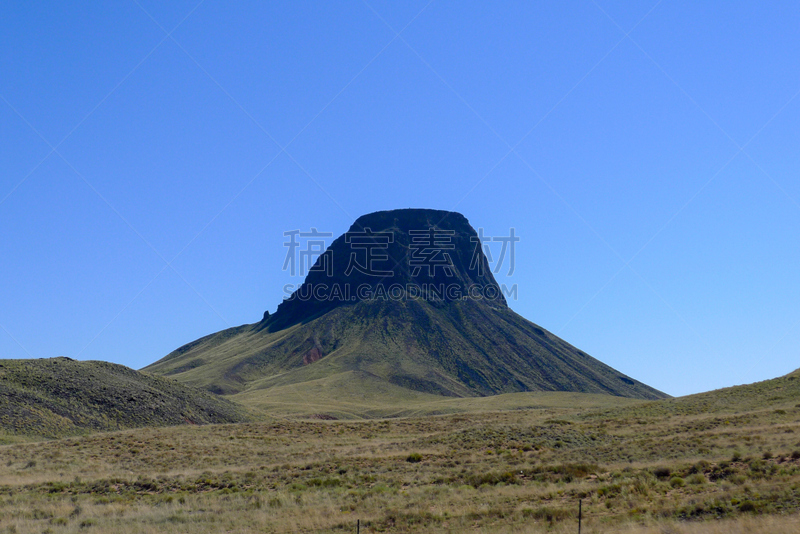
[(696, 465)]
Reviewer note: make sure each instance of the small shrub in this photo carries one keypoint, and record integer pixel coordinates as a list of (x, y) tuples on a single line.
[(575, 470), (700, 466), (738, 479), (380, 488), (757, 466), (696, 479), (492, 479), (662, 472), (414, 458), (767, 455), (677, 482), (324, 482), (747, 506), (548, 514), (611, 489), (641, 486), (796, 455), (255, 502)]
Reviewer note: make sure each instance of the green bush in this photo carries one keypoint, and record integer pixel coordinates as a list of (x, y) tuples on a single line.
[(414, 458), (662, 472), (696, 479), (677, 482), (611, 489), (700, 466), (747, 506)]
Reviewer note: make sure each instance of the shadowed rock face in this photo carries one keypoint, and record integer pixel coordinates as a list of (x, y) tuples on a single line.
[(425, 314), (431, 254)]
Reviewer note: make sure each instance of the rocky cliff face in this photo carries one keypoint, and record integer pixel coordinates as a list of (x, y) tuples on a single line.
[(392, 255)]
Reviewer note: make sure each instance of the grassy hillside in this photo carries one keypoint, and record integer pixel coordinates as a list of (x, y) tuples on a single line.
[(522, 471), (348, 396), (460, 349), (780, 394), (59, 397)]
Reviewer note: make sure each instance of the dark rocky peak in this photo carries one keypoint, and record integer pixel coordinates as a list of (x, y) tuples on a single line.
[(393, 255)]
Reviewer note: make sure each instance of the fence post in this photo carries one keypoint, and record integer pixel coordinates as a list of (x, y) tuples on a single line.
[(580, 514), (358, 526)]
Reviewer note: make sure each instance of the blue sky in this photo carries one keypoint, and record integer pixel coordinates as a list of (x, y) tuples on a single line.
[(152, 154)]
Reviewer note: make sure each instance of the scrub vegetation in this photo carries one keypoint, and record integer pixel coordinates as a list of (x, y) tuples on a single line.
[(725, 461)]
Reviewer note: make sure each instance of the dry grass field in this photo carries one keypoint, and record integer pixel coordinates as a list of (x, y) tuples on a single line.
[(723, 462)]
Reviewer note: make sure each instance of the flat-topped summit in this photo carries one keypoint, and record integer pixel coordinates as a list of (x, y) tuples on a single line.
[(397, 254)]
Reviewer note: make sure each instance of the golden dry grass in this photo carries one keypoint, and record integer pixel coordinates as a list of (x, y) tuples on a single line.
[(519, 471)]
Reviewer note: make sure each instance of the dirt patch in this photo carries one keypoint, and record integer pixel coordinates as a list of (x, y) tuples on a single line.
[(312, 356)]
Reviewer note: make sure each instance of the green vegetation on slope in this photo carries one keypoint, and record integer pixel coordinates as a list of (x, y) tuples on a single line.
[(778, 394), (460, 349), (58, 397), (356, 395)]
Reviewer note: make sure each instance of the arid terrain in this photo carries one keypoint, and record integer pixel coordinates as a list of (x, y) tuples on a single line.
[(724, 461)]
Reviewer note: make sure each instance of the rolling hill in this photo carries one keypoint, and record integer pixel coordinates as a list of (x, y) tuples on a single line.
[(781, 394), (405, 328), (58, 397)]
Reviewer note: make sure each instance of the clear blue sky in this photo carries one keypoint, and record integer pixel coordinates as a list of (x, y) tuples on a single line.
[(152, 154)]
